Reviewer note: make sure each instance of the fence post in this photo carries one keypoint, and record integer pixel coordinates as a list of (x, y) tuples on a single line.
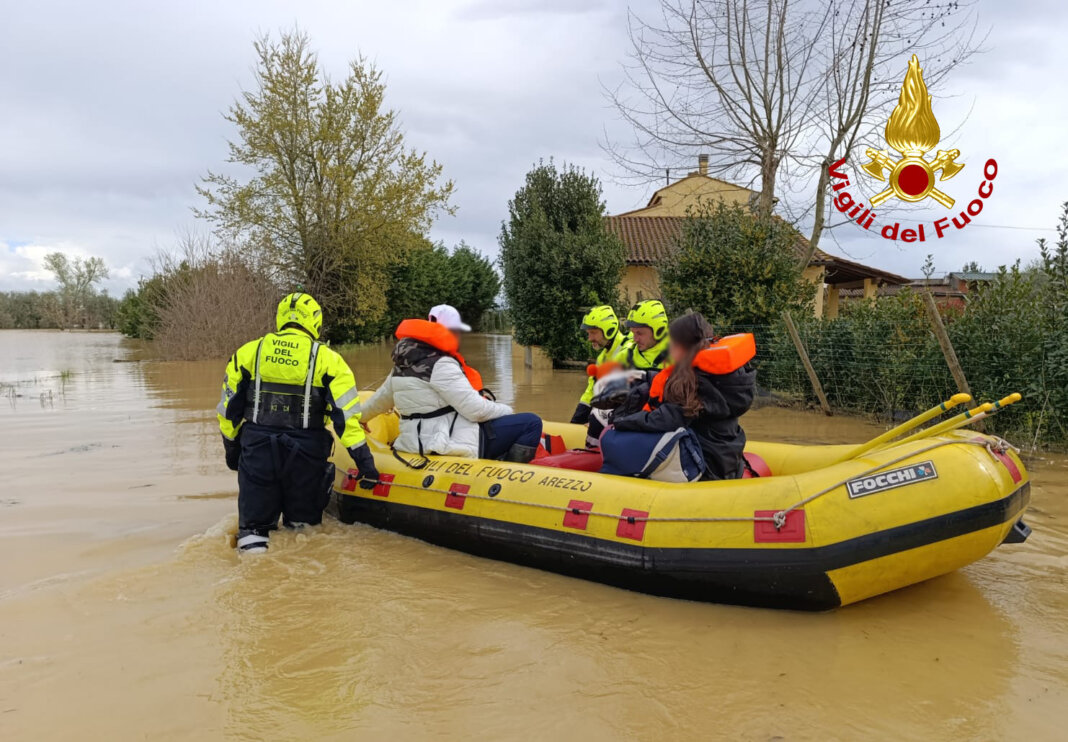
[(947, 345), (528, 356), (815, 381)]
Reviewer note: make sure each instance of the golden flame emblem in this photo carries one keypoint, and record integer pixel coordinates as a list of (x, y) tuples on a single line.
[(913, 131)]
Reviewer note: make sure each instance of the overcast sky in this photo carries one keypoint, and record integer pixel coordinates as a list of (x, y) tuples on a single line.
[(110, 112)]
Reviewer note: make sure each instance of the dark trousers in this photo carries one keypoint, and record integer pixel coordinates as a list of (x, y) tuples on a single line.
[(497, 436), (282, 473)]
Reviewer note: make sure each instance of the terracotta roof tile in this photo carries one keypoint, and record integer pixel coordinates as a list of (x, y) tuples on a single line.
[(648, 240)]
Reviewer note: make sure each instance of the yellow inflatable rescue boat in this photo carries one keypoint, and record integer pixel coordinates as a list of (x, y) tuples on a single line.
[(824, 527)]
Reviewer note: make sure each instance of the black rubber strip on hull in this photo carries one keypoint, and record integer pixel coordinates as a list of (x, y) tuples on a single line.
[(793, 579)]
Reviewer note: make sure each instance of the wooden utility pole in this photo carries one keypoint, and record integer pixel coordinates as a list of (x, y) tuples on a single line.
[(813, 379), (947, 346)]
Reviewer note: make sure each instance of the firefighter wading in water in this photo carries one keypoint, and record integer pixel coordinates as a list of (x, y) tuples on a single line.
[(278, 393)]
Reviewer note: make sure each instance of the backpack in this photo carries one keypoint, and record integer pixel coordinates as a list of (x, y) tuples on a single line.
[(665, 457)]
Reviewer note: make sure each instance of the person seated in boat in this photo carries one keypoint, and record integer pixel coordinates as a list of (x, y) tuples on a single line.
[(646, 351), (648, 325), (706, 389), (611, 341), (441, 401)]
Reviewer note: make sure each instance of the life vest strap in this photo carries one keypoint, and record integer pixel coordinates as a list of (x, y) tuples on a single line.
[(441, 411)]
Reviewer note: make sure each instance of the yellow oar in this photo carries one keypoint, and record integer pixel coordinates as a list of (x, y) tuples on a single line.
[(966, 418), (994, 408), (906, 426), (954, 422)]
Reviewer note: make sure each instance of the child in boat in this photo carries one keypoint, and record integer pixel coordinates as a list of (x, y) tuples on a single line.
[(688, 394), (442, 405)]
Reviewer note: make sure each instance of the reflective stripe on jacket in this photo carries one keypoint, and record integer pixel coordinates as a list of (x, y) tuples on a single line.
[(289, 381)]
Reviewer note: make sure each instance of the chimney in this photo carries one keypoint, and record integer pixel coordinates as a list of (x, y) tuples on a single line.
[(702, 164)]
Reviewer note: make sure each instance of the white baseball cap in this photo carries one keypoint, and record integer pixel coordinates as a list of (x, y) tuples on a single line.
[(447, 315)]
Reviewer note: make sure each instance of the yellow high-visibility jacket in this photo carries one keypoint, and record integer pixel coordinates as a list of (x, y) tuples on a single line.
[(655, 358), (289, 381), (617, 352)]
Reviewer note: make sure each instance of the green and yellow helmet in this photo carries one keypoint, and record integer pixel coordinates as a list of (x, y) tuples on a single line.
[(651, 314), (601, 318), (302, 310)]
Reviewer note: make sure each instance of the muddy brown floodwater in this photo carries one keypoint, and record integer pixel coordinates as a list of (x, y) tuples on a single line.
[(125, 615)]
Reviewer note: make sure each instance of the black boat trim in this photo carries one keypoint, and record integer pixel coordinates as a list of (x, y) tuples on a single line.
[(776, 577)]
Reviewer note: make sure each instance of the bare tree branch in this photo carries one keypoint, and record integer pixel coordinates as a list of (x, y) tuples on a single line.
[(773, 90)]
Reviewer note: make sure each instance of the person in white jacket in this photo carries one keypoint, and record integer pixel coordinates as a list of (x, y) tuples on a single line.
[(442, 404)]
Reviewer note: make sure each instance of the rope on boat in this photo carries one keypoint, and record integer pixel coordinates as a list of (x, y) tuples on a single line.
[(997, 444), (565, 509), (993, 446)]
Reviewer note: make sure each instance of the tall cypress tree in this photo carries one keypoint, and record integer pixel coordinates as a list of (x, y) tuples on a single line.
[(558, 258)]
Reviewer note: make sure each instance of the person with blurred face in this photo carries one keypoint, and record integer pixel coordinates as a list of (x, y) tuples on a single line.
[(699, 393), (442, 404)]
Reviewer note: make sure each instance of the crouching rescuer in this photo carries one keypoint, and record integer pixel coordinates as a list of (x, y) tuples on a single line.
[(277, 396)]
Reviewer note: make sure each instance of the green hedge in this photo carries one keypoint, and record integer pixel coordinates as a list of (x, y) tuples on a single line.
[(881, 357)]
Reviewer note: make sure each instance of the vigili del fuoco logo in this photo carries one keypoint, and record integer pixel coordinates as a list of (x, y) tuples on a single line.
[(912, 176)]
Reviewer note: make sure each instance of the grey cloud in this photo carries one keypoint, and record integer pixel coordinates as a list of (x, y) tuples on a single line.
[(110, 112)]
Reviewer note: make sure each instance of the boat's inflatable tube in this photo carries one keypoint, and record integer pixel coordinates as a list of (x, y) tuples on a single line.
[(811, 536)]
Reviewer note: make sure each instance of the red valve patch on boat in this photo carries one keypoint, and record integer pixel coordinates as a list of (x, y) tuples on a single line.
[(382, 488), (455, 497), (629, 525), (792, 531), (1004, 458), (349, 485), (577, 520)]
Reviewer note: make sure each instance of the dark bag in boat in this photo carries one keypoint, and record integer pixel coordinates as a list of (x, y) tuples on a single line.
[(666, 457)]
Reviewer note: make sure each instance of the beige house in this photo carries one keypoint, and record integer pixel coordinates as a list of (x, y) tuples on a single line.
[(650, 232)]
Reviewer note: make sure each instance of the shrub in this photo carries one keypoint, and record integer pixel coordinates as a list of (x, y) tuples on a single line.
[(463, 278), (204, 302), (735, 268), (558, 258), (878, 357)]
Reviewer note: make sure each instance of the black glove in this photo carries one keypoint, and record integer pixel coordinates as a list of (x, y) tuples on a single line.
[(365, 463), (582, 414), (233, 452)]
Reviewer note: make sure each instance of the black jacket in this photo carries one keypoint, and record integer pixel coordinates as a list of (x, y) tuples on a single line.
[(725, 397)]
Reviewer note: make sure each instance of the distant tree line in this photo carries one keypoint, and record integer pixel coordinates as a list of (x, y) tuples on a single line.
[(74, 303), (206, 298)]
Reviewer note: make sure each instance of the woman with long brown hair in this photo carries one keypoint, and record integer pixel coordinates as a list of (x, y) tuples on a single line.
[(693, 393)]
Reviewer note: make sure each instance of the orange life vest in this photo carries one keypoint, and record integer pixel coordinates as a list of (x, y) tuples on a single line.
[(725, 356), (437, 336)]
